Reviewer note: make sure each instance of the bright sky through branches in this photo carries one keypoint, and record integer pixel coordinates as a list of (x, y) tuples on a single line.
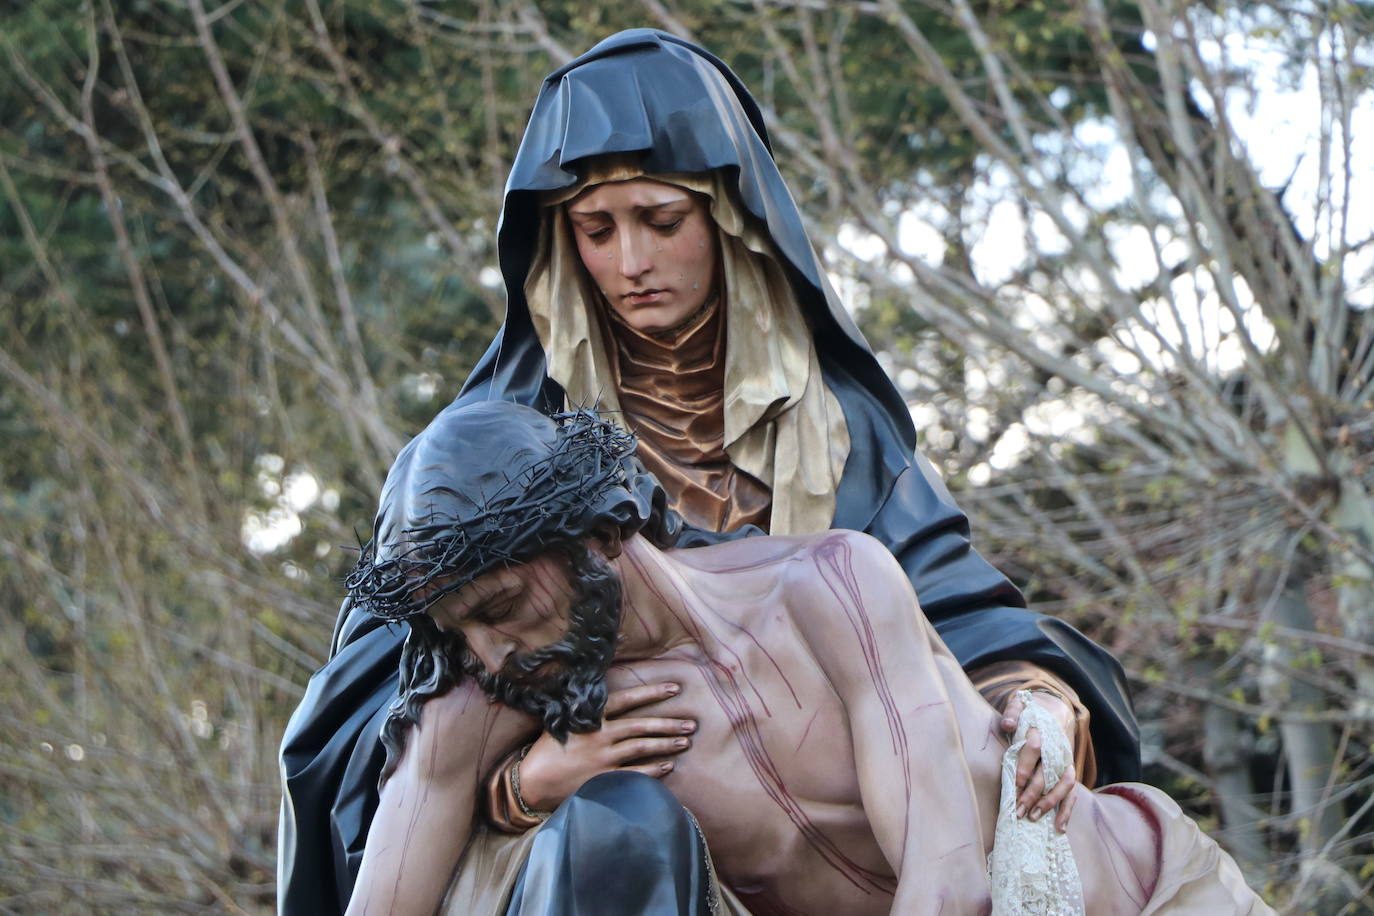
[(1277, 94)]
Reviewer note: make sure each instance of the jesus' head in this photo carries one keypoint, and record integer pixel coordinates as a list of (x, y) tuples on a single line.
[(491, 541)]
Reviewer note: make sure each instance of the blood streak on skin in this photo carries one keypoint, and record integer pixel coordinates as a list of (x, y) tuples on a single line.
[(1136, 798), (720, 679), (415, 813), (810, 722), (725, 688), (491, 713), (488, 726), (744, 566), (835, 559), (768, 655), (956, 849), (695, 628)]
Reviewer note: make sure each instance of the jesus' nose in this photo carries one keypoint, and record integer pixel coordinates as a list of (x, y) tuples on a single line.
[(491, 648)]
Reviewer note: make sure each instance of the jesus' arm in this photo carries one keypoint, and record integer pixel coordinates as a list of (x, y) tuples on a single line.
[(424, 813), (862, 623)]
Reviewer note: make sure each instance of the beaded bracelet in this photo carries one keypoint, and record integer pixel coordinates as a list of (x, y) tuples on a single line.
[(515, 787)]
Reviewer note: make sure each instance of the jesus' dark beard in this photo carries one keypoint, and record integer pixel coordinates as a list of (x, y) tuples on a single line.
[(571, 697)]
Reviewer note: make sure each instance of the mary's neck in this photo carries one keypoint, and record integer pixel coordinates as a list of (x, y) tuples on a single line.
[(694, 346)]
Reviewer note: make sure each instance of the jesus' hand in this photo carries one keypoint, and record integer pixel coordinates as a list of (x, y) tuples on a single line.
[(1033, 801), (550, 772)]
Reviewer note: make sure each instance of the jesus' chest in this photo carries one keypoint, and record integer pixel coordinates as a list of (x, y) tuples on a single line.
[(771, 769)]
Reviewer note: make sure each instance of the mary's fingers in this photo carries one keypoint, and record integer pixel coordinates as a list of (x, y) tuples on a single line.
[(1061, 822), (1011, 714), (621, 701), (1035, 787), (1028, 757), (1055, 796)]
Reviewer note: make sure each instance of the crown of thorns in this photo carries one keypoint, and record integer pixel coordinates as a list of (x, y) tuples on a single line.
[(550, 500)]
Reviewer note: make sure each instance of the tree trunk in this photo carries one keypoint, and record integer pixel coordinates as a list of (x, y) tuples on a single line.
[(1308, 748), (1226, 751)]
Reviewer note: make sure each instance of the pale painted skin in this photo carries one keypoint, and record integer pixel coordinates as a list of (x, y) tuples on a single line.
[(649, 247), (842, 761)]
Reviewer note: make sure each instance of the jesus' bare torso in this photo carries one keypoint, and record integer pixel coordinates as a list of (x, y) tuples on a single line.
[(842, 762), (774, 774)]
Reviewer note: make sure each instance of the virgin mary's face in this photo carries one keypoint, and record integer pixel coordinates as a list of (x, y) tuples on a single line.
[(649, 247)]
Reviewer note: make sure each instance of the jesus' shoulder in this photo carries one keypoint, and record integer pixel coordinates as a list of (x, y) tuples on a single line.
[(835, 588)]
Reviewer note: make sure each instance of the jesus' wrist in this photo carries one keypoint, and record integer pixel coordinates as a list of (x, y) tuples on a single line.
[(536, 816), (501, 810)]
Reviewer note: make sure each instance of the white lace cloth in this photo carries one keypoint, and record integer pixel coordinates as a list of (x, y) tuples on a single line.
[(1032, 867)]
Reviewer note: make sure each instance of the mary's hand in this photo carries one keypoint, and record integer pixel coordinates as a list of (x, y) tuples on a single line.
[(1033, 801), (551, 771)]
